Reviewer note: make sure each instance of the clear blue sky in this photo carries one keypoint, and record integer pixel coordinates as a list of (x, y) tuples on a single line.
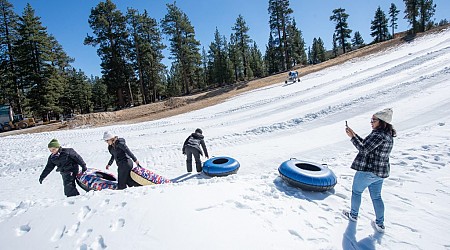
[(68, 20)]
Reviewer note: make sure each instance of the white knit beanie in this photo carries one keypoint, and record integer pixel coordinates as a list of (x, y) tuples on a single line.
[(107, 136), (385, 115)]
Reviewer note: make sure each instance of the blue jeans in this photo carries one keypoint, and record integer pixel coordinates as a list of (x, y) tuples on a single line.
[(361, 181)]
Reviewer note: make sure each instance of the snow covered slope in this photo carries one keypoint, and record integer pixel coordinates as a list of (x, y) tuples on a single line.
[(255, 209)]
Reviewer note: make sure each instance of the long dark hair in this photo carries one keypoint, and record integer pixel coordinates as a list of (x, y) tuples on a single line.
[(388, 128)]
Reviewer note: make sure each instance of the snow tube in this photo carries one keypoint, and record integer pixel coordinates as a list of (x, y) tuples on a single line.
[(94, 179), (220, 166), (146, 177), (307, 175)]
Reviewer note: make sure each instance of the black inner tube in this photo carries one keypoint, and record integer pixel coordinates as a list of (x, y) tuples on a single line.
[(220, 161), (105, 176), (307, 166)]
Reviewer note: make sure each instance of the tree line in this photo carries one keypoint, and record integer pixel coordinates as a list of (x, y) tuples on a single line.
[(36, 75)]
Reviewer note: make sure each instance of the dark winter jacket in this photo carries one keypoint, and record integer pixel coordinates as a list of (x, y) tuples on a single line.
[(374, 151), (194, 141), (66, 160), (120, 152)]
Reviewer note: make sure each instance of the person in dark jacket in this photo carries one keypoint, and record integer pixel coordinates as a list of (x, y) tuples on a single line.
[(372, 165), (67, 162), (191, 147), (124, 159)]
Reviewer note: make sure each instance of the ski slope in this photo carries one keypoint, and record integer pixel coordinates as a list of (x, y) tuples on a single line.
[(255, 209)]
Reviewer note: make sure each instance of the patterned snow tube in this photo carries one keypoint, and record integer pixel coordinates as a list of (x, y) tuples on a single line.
[(307, 175), (94, 179), (220, 166), (145, 177)]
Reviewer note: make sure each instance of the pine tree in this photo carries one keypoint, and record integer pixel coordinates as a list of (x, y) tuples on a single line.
[(256, 61), (411, 13), (110, 35), (335, 46), (317, 53), (443, 22), (279, 19), (341, 29), (321, 55), (146, 53), (100, 97), (236, 63), (11, 90), (183, 48), (296, 45), (271, 58), (41, 62), (310, 55), (207, 68), (314, 59), (218, 58), (393, 12), (427, 10), (242, 44), (357, 40), (379, 26), (79, 93)]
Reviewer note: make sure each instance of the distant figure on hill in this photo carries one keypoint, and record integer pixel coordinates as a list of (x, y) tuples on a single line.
[(292, 76), (124, 159), (67, 162), (372, 165), (191, 147)]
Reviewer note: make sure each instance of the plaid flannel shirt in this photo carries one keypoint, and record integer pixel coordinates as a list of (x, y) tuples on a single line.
[(374, 151)]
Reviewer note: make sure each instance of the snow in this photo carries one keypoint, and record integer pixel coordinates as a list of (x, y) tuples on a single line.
[(255, 208)]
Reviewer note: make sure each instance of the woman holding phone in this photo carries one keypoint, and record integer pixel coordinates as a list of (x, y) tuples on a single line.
[(372, 165)]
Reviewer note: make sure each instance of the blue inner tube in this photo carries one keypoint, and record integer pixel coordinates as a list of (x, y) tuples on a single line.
[(307, 175), (220, 166)]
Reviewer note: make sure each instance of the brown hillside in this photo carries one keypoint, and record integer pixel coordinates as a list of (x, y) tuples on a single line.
[(179, 105)]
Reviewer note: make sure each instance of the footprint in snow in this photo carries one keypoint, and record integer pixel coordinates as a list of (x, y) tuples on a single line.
[(105, 203), (85, 212), (295, 233), (68, 203), (58, 234), (117, 224), (74, 229), (23, 230), (99, 243), (121, 205), (84, 236)]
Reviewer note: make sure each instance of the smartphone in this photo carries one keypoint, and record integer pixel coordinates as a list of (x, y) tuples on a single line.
[(346, 124)]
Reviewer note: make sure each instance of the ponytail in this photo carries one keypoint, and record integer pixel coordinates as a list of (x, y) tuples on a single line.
[(388, 128)]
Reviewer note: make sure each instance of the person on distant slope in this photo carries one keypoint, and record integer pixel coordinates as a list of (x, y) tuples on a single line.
[(67, 162), (372, 165), (191, 147), (122, 155)]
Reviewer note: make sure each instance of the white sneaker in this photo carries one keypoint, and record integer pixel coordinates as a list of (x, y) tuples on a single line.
[(348, 216), (379, 228)]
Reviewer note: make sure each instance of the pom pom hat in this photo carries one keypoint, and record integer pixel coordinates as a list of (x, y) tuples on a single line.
[(385, 115)]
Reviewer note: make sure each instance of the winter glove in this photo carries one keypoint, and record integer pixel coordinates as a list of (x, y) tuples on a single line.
[(41, 179), (83, 169)]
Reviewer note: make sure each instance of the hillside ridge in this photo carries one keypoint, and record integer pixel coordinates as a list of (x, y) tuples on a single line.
[(179, 105)]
